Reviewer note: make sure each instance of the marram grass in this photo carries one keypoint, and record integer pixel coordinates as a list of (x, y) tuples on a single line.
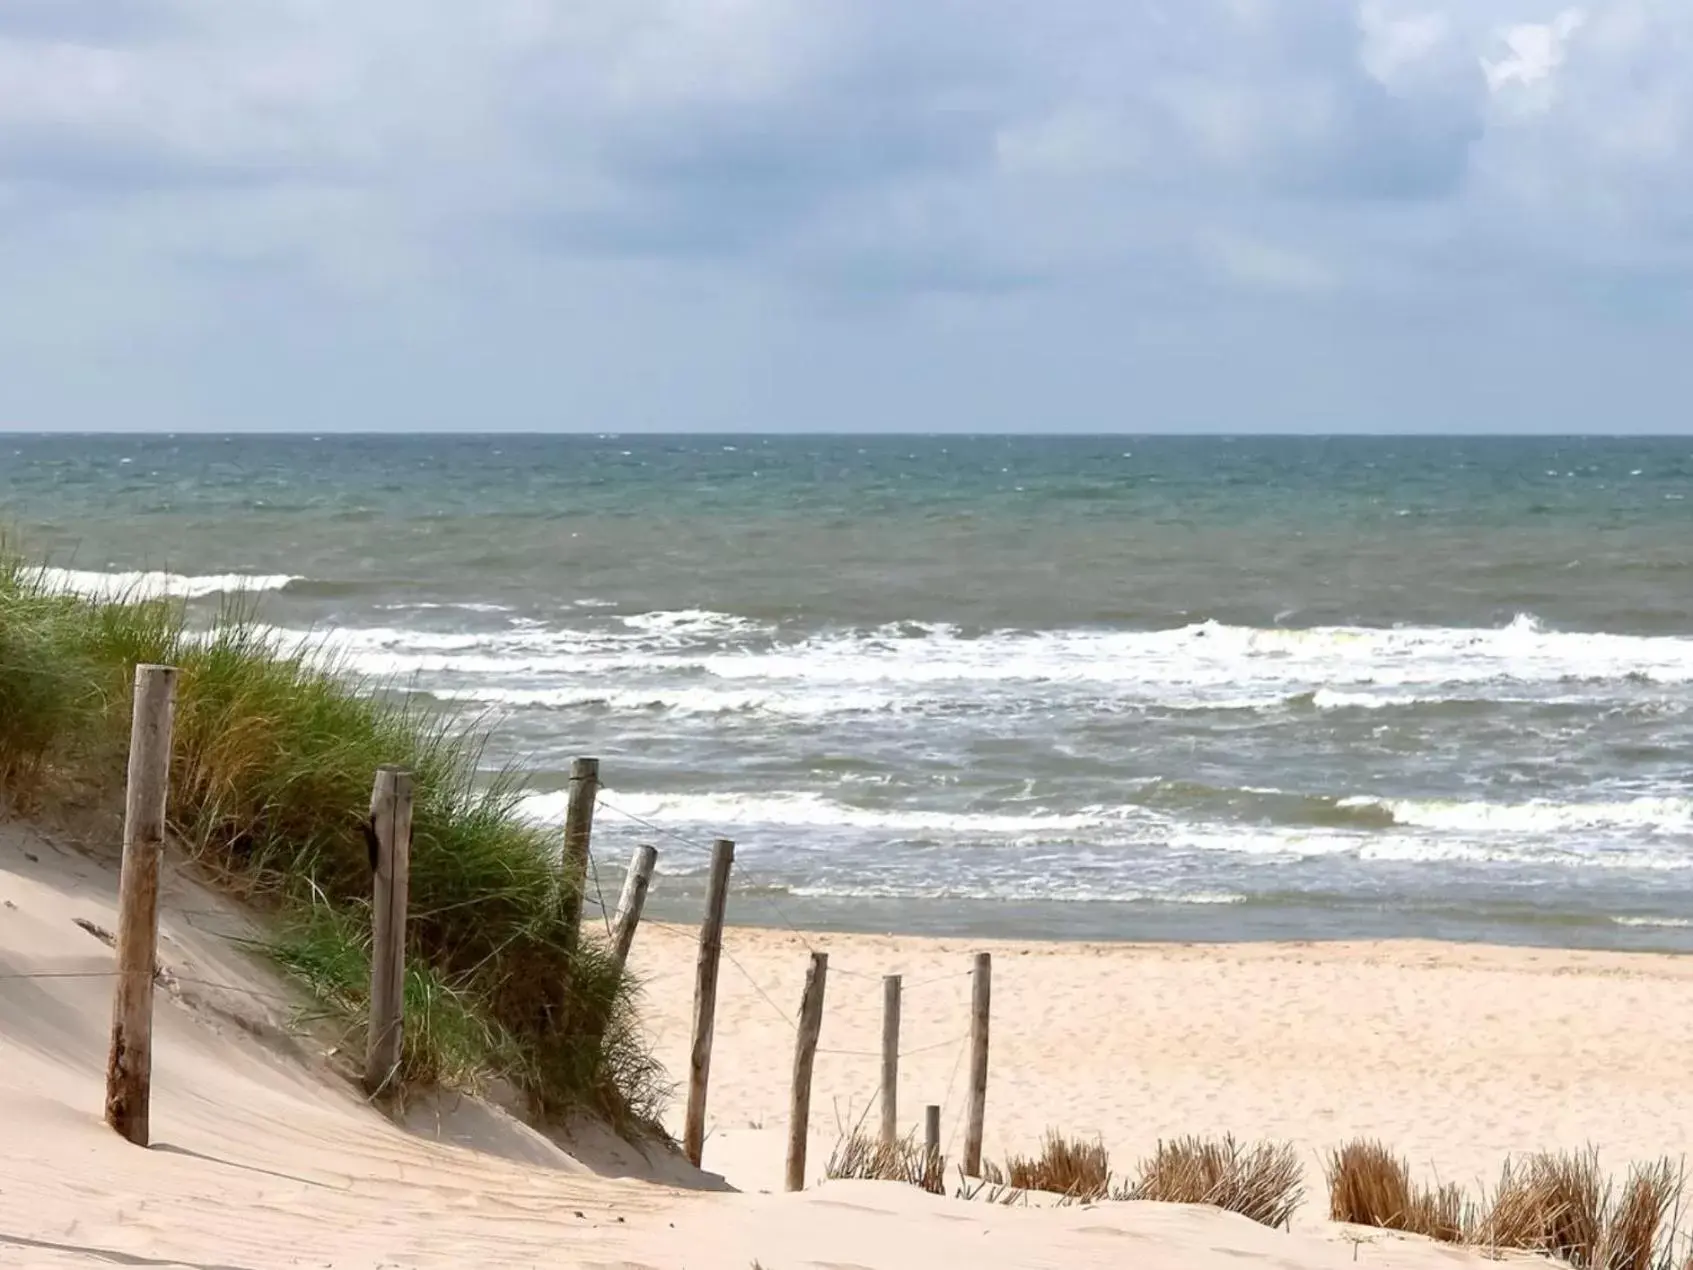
[(272, 765), (1556, 1204)]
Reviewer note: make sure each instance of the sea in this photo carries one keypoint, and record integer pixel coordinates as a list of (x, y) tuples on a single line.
[(1140, 688)]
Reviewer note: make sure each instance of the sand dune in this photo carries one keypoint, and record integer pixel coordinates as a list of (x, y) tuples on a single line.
[(263, 1156)]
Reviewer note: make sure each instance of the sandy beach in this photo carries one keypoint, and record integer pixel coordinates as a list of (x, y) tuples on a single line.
[(1456, 1055), (264, 1156)]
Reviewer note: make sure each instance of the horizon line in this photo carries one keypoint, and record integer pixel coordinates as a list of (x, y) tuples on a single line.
[(1203, 434)]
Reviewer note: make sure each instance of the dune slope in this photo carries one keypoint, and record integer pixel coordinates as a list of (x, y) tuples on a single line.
[(263, 1156)]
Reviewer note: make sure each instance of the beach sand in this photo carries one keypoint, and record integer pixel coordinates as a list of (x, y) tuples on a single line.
[(263, 1156), (1454, 1055)]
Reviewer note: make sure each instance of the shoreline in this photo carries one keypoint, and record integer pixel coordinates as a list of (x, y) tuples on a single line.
[(1108, 922), (964, 944)]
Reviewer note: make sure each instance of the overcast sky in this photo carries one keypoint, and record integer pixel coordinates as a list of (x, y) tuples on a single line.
[(1070, 215)]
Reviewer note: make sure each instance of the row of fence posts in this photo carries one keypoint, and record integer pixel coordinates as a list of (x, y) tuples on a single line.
[(805, 1052), (808, 1030), (130, 1057)]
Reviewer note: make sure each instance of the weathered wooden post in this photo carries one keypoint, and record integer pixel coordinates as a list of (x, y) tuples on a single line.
[(932, 1133), (633, 900), (981, 990), (129, 1061), (805, 1057), (390, 823), (890, 1059), (705, 996), (578, 833)]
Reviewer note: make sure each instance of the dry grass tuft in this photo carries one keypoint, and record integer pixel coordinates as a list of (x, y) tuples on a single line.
[(1551, 1204), (1562, 1206), (1641, 1227), (1065, 1166), (1264, 1183), (1556, 1205), (1370, 1186), (859, 1156)]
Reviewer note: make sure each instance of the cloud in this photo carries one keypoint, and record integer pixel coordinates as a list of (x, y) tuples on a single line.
[(1534, 51), (999, 183)]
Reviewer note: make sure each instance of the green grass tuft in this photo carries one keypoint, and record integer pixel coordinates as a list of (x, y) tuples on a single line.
[(274, 755)]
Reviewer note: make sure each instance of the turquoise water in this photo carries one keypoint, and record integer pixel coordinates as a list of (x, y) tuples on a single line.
[(1104, 687)]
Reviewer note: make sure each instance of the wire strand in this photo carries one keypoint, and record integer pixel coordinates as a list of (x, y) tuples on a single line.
[(947, 1100), (766, 891), (647, 824), (594, 871)]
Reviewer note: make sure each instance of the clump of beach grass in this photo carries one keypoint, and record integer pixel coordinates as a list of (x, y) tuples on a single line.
[(863, 1157), (1264, 1182), (1558, 1205), (274, 752), (1561, 1205), (1371, 1186), (1642, 1232), (1065, 1166)]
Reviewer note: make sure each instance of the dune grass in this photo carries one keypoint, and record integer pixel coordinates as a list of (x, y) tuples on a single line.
[(1371, 1186), (1559, 1205), (1563, 1206), (273, 759), (862, 1156), (1065, 1166), (1264, 1182)]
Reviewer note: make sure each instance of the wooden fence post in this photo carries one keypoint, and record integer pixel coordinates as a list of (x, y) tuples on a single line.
[(890, 1059), (129, 1060), (578, 833), (805, 1056), (705, 996), (981, 990), (932, 1132), (633, 900), (390, 823)]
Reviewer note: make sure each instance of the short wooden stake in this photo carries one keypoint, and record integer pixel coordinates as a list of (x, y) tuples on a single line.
[(705, 996), (129, 1060), (578, 834), (980, 995), (890, 1059), (805, 1057), (634, 899), (932, 1131), (390, 822)]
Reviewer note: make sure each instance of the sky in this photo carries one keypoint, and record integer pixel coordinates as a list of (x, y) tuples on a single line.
[(864, 215)]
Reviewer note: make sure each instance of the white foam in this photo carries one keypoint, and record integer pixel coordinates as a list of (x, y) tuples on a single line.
[(693, 622), (809, 810), (1330, 699), (1281, 842), (154, 585), (1202, 666), (1654, 815), (1667, 923)]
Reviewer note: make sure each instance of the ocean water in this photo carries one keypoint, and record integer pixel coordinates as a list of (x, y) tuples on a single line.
[(1141, 688)]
